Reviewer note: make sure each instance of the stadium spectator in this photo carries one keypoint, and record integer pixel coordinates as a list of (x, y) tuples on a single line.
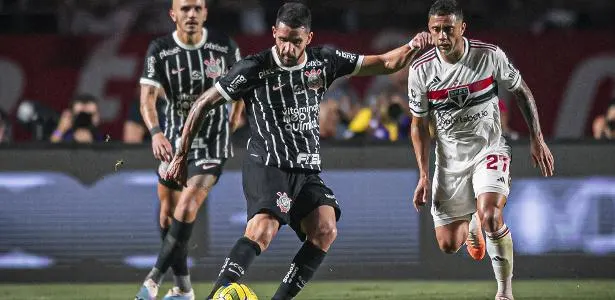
[(5, 128), (505, 121), (603, 126), (79, 123), (134, 130), (380, 121), (339, 106)]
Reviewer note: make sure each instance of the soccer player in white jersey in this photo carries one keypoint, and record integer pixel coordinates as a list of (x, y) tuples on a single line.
[(454, 86)]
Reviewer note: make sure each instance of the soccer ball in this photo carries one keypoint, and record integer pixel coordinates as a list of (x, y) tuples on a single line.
[(235, 291)]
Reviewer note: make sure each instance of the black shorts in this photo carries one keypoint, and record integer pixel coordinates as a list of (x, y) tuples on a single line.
[(289, 195), (211, 166)]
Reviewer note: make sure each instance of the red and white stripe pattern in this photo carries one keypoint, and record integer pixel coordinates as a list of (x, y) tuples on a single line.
[(502, 232), (482, 45), (476, 89), (427, 56)]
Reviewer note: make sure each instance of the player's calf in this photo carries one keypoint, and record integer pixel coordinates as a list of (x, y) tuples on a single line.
[(452, 236), (321, 230), (259, 232)]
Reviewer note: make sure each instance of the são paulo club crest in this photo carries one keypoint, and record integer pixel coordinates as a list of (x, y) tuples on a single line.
[(214, 68), (283, 202), (459, 95), (314, 82)]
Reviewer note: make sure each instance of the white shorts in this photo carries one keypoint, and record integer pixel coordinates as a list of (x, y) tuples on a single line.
[(454, 194)]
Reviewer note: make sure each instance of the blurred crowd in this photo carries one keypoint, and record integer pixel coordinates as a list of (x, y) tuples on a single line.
[(255, 16), (377, 114)]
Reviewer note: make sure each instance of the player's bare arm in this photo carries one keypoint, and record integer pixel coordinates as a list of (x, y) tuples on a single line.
[(201, 107), (395, 59), (421, 142), (236, 115), (541, 155), (160, 145)]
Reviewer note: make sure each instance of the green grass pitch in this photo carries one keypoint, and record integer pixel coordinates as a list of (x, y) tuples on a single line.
[(324, 290)]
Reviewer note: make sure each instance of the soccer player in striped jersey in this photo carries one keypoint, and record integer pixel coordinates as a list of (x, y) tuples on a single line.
[(454, 86), (183, 65), (282, 88)]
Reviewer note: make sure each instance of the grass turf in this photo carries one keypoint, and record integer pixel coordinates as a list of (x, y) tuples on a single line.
[(324, 290)]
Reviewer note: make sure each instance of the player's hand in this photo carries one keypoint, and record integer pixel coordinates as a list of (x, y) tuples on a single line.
[(422, 193), (236, 122), (66, 121), (421, 41), (177, 170), (161, 147), (541, 156)]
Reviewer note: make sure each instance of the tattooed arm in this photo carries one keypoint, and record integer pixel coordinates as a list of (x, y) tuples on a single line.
[(541, 155)]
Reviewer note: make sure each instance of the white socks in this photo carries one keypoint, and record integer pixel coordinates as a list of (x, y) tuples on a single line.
[(500, 249)]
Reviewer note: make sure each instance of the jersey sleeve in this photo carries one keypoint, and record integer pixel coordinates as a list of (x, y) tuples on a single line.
[(505, 73), (417, 94), (152, 68), (242, 77), (344, 63)]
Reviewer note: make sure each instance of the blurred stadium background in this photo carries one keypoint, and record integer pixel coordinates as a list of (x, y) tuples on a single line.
[(66, 215)]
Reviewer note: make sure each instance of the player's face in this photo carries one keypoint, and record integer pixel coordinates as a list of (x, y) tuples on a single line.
[(290, 43), (189, 15), (447, 32)]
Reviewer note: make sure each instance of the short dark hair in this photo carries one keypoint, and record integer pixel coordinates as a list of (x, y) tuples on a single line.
[(445, 8), (83, 99), (295, 15)]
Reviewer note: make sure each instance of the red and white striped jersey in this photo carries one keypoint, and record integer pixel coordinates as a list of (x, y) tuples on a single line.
[(461, 101)]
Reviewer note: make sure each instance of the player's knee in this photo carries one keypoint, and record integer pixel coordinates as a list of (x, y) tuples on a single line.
[(491, 218), (165, 220), (449, 246), (324, 235), (262, 231)]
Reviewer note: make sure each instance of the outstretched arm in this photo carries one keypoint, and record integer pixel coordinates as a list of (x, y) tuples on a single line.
[(421, 142), (206, 102), (395, 59), (541, 155)]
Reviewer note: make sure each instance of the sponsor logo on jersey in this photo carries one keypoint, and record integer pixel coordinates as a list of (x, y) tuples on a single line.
[(300, 118), (313, 63), (314, 81), (236, 83), (167, 52), (214, 68), (349, 56), (308, 158), (445, 118), (175, 71), (151, 71), (265, 73), (298, 89), (284, 202), (196, 75), (459, 96), (184, 103), (216, 47)]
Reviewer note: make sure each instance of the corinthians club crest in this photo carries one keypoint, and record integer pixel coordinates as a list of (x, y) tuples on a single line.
[(459, 95), (283, 202), (214, 68), (314, 82)]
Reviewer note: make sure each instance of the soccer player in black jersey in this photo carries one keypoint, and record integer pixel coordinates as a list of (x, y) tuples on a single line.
[(183, 65), (282, 88)]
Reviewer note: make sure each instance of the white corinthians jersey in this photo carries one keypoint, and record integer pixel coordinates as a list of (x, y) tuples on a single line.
[(462, 103)]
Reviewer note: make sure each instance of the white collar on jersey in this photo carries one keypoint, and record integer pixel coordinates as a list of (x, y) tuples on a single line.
[(466, 49), (191, 47), (293, 68)]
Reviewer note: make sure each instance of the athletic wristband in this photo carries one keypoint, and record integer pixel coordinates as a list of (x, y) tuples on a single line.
[(57, 134), (154, 130), (410, 44)]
